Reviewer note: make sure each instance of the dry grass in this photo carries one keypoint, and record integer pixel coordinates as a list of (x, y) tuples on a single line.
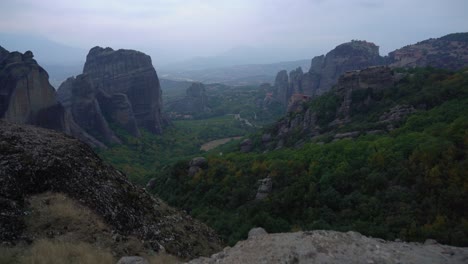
[(163, 259), (65, 231), (57, 252)]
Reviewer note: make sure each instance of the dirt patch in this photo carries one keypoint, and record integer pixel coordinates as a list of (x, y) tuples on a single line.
[(218, 142)]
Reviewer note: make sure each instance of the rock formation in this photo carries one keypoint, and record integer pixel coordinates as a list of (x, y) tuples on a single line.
[(119, 87), (35, 160), (354, 90), (332, 247), (131, 73), (282, 87), (264, 188), (196, 165), (325, 70), (373, 78), (449, 52), (86, 110), (25, 92), (194, 102)]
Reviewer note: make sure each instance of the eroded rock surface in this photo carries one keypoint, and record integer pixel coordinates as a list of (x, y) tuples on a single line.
[(332, 247), (35, 160)]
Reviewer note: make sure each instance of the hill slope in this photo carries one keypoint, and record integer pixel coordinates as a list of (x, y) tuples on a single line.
[(36, 161)]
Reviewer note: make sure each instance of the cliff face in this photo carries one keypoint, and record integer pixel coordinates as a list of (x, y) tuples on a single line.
[(36, 160), (449, 52), (354, 90), (325, 70), (131, 73), (195, 101), (26, 96)]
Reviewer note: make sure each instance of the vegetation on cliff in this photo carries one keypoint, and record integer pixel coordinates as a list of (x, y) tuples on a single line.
[(409, 184)]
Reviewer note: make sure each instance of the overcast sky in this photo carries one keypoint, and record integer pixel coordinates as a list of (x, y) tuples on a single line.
[(178, 29)]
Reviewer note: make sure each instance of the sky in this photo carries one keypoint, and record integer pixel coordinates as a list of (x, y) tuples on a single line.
[(174, 30)]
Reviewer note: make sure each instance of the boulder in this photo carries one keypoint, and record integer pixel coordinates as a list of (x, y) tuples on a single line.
[(257, 231), (132, 260)]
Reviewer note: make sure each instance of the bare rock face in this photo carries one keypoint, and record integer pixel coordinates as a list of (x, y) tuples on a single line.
[(264, 188), (373, 78), (282, 87), (118, 109), (86, 110), (354, 55), (325, 70), (35, 160), (131, 73), (333, 247), (449, 52), (195, 101), (26, 96)]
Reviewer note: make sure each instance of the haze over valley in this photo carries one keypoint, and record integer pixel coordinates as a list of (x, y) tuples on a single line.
[(311, 131)]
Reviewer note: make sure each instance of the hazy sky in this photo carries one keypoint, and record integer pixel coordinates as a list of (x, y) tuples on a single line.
[(177, 29)]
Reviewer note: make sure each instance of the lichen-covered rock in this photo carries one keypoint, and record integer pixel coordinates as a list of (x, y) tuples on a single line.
[(35, 160)]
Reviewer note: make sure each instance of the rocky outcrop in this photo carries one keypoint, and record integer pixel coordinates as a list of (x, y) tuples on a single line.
[(196, 165), (25, 92), (367, 80), (332, 247), (119, 87), (35, 160), (264, 188), (131, 73), (355, 91), (325, 70), (194, 102), (449, 52), (86, 110), (282, 87)]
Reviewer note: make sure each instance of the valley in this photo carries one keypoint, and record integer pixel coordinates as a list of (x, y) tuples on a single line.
[(173, 170)]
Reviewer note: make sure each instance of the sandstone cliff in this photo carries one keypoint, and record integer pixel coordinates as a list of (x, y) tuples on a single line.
[(36, 160), (332, 247), (131, 73), (26, 96)]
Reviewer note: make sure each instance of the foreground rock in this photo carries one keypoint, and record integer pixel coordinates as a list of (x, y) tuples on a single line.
[(332, 247), (35, 160)]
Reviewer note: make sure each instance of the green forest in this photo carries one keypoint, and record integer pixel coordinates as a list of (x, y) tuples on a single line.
[(410, 183)]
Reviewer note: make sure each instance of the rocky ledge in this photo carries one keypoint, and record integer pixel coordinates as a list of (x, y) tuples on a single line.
[(332, 247), (35, 160)]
